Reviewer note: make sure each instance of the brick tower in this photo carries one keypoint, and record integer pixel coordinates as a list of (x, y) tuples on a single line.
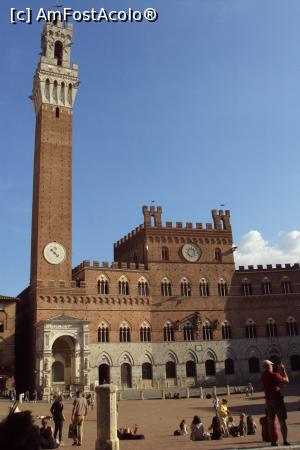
[(54, 91)]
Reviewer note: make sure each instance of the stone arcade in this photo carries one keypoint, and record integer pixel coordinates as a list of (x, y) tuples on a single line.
[(170, 310)]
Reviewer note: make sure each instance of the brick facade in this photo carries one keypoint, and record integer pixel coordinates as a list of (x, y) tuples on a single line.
[(170, 309)]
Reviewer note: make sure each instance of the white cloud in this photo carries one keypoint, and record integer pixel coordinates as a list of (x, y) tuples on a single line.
[(254, 250)]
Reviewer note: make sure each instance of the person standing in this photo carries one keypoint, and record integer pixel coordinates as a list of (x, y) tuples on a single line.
[(58, 417), (274, 399), (79, 412)]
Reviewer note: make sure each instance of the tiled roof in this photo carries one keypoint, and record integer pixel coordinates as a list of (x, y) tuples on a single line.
[(6, 297)]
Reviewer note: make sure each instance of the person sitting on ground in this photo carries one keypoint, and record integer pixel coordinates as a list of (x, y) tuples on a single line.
[(217, 429), (197, 430), (233, 430), (265, 428), (46, 432), (242, 425), (183, 428), (251, 425), (18, 432), (128, 434)]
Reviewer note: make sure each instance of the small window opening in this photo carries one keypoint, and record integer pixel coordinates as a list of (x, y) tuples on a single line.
[(57, 112)]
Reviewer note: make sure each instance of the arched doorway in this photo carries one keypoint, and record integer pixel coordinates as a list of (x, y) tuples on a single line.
[(126, 378), (104, 374), (63, 363)]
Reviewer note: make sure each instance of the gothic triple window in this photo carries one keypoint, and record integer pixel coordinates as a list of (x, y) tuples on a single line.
[(207, 331), (222, 288), (203, 288), (291, 327), (169, 332), (165, 287), (226, 330), (103, 332), (145, 332), (143, 287), (123, 286), (251, 329), (188, 332), (103, 287), (266, 287), (124, 332), (185, 288), (271, 328), (286, 286), (246, 288)]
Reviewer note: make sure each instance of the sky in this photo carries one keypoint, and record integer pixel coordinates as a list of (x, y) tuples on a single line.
[(198, 109)]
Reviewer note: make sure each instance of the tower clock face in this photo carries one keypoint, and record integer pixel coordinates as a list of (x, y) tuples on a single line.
[(54, 253), (191, 252)]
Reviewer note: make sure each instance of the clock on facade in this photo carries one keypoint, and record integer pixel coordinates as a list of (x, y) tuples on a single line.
[(54, 253), (191, 252)]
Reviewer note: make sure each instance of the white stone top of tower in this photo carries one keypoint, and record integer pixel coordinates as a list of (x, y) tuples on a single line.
[(55, 81)]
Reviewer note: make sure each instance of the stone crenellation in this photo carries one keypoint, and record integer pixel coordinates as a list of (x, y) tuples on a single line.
[(268, 267), (105, 265)]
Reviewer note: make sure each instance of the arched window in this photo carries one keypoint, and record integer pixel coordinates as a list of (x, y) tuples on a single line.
[(286, 285), (266, 287), (207, 331), (188, 332), (190, 369), (222, 288), (165, 254), (103, 287), (70, 100), (203, 288), (246, 288), (291, 327), (295, 362), (250, 329), (62, 93), (226, 330), (47, 89), (1, 327), (146, 371), (229, 366), (170, 370), (168, 332), (165, 287), (58, 372), (124, 332), (210, 368), (218, 255), (185, 288), (123, 286), (54, 92), (57, 112), (103, 332), (271, 328), (253, 365), (143, 287), (145, 332), (58, 52)]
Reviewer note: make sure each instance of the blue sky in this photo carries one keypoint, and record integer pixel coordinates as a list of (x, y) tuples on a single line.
[(197, 109)]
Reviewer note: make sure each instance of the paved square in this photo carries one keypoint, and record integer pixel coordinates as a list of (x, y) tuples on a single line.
[(157, 420)]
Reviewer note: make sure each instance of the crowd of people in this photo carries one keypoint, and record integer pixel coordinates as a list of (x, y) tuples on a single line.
[(223, 424), (20, 432)]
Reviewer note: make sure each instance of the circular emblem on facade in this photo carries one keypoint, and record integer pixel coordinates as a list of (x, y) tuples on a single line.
[(191, 252), (54, 253)]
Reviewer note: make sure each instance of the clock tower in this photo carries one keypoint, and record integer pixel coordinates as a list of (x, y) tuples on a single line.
[(54, 91)]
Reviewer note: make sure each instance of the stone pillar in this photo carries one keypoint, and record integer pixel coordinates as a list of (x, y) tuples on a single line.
[(228, 390), (201, 392), (187, 393), (107, 438), (215, 391)]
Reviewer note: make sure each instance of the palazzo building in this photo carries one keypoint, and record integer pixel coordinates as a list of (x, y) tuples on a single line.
[(170, 310)]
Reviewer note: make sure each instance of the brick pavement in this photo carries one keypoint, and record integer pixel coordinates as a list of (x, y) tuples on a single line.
[(157, 419)]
